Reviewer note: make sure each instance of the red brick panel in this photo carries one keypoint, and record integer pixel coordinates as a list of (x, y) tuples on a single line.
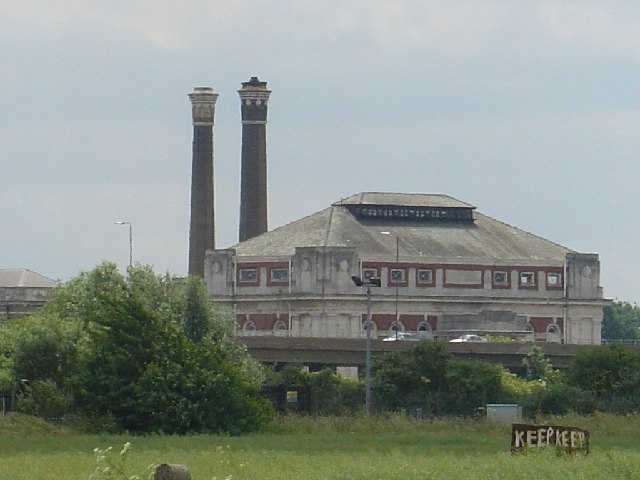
[(383, 321), (540, 324), (264, 321), (411, 322)]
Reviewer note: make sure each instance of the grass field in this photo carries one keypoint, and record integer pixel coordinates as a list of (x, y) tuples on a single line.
[(299, 448)]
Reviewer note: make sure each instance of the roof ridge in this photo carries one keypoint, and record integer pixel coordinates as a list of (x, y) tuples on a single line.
[(329, 223)]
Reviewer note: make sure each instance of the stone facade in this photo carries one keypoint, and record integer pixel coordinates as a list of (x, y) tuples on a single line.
[(23, 292), (546, 293)]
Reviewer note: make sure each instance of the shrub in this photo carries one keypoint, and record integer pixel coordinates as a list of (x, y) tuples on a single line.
[(44, 399)]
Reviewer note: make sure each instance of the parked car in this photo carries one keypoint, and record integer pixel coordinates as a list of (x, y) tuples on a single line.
[(406, 337), (468, 338)]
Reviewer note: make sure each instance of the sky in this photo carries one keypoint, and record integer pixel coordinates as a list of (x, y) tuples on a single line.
[(528, 110)]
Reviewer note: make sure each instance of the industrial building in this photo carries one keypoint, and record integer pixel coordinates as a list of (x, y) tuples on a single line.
[(23, 292), (444, 268)]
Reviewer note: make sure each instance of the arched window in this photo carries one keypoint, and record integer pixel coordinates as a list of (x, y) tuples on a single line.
[(249, 328), (424, 327), (553, 328), (396, 326), (280, 328), (554, 334), (372, 325)]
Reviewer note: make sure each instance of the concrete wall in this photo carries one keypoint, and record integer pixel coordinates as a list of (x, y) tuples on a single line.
[(319, 298)]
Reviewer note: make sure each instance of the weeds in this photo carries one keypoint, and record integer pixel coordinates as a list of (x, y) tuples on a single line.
[(111, 466)]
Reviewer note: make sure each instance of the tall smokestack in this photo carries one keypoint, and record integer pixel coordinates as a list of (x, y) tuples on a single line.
[(202, 228), (254, 97)]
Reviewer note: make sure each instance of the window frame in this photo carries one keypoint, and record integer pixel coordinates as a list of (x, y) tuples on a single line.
[(370, 272), (559, 285), (506, 284), (250, 281), (403, 281), (423, 283), (278, 281), (526, 284)]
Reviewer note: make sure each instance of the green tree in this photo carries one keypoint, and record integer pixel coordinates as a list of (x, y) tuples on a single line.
[(430, 379), (621, 321), (197, 311), (537, 364), (470, 386), (138, 366), (44, 349), (611, 375)]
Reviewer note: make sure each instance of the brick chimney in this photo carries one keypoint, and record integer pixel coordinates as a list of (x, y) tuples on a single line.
[(254, 97), (202, 228)]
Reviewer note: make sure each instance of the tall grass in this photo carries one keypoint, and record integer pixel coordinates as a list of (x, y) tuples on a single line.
[(393, 447)]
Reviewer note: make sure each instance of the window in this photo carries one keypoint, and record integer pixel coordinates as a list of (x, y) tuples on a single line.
[(554, 279), (280, 328), (249, 327), (528, 279), (397, 275), (553, 328), (248, 275), (424, 327), (279, 274), (369, 325), (500, 279), (369, 273), (424, 276)]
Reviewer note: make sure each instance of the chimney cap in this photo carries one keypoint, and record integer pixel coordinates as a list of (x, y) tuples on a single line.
[(203, 94), (254, 84)]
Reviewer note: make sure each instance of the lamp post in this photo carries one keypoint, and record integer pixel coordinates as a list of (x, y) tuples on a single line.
[(397, 291), (130, 241), (370, 282)]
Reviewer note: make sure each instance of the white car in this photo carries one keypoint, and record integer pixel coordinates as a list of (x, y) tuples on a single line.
[(468, 338), (406, 337)]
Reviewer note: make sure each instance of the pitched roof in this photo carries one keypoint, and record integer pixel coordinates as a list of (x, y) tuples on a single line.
[(14, 278), (479, 238)]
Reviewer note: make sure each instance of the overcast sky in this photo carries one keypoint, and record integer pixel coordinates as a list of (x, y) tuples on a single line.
[(528, 110)]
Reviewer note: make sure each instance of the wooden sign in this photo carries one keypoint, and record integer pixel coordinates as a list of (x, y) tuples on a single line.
[(568, 439)]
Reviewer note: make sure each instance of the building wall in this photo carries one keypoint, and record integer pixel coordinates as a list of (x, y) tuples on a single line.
[(311, 294), (16, 302)]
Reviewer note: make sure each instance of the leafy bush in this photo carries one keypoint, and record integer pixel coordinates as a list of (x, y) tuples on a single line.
[(537, 364), (321, 393), (145, 354), (44, 399), (334, 395), (611, 375), (431, 381)]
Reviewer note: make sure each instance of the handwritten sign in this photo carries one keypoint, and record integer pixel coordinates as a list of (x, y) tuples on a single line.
[(569, 439)]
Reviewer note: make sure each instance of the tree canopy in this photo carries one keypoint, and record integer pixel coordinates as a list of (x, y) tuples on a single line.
[(147, 353), (621, 321)]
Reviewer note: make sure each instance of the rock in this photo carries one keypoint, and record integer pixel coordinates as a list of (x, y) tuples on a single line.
[(171, 471)]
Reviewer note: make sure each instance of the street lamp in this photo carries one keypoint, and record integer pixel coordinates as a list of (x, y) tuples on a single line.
[(368, 282), (130, 241)]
